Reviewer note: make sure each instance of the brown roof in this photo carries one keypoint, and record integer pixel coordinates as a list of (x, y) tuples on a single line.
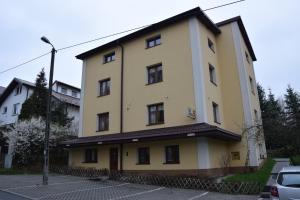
[(196, 12), (176, 132), (66, 98)]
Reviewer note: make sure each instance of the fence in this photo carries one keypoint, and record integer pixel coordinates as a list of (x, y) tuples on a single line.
[(184, 182)]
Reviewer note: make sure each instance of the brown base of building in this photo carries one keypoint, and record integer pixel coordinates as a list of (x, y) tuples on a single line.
[(206, 173)]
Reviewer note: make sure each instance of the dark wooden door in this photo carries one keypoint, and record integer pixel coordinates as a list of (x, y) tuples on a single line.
[(113, 159)]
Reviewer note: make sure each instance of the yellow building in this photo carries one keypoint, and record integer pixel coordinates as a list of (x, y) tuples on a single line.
[(175, 97)]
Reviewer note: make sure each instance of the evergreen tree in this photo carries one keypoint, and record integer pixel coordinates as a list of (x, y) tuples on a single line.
[(36, 104), (272, 118), (60, 115), (292, 107)]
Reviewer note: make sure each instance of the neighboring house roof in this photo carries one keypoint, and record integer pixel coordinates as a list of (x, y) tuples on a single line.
[(65, 84), (185, 131), (196, 12), (66, 98), (11, 86), (242, 28), (1, 90), (59, 96)]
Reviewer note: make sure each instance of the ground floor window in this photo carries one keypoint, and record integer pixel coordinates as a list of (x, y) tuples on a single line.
[(172, 154), (143, 156), (90, 156)]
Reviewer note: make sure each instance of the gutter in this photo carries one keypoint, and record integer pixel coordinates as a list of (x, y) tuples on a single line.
[(121, 104)]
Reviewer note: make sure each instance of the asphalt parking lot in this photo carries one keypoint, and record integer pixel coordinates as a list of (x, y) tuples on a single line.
[(21, 187)]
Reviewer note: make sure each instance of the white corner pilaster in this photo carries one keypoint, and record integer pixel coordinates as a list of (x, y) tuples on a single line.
[(199, 90), (245, 91), (80, 134)]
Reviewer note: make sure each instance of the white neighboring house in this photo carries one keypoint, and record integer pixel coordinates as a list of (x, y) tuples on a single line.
[(69, 95), (12, 99), (16, 93)]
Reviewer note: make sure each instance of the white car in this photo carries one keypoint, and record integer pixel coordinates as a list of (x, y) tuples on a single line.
[(287, 185)]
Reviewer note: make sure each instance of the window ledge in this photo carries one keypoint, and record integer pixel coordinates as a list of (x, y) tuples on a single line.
[(142, 163), (214, 83), (85, 162), (103, 95), (153, 83), (217, 122), (153, 46), (108, 62), (155, 124), (102, 130), (171, 163)]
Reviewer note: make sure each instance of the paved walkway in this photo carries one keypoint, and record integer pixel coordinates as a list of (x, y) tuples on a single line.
[(280, 163), (77, 188)]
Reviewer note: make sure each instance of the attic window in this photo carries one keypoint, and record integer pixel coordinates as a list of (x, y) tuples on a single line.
[(18, 90), (211, 45), (154, 41), (109, 57), (247, 57)]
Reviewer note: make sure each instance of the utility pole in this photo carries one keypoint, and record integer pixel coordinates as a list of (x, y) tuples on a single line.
[(48, 117)]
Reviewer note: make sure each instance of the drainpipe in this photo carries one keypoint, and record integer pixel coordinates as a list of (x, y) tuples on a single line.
[(121, 104)]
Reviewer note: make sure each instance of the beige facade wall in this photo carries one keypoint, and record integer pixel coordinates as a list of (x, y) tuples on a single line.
[(176, 90), (212, 92), (96, 70), (187, 156)]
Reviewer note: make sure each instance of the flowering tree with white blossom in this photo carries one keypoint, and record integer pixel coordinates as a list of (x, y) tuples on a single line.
[(26, 141)]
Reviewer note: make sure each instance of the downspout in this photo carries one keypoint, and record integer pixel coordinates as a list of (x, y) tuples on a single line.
[(121, 104)]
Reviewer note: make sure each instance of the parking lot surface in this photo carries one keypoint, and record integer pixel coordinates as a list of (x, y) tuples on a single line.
[(77, 188)]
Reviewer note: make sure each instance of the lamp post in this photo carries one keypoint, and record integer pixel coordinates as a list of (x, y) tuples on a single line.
[(48, 117)]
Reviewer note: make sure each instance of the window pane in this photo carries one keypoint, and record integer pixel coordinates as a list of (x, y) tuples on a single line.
[(103, 121), (158, 41), (151, 43)]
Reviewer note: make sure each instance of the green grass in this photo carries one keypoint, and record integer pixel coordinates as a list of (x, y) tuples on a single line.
[(15, 171), (261, 175), (295, 160)]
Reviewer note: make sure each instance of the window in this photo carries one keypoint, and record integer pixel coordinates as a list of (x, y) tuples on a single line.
[(211, 45), (247, 57), (156, 113), (255, 116), (109, 57), (251, 85), (91, 156), (103, 122), (104, 87), (143, 156), (18, 90), (289, 179), (4, 111), (172, 154), (64, 90), (212, 74), (16, 109), (216, 113), (155, 74), (235, 155), (74, 93), (152, 42)]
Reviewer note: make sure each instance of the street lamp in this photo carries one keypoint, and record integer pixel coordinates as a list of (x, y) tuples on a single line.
[(48, 117)]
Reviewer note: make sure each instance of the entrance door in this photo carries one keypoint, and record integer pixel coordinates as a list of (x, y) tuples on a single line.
[(113, 159)]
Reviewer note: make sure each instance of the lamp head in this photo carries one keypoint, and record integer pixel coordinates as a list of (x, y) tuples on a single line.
[(44, 39)]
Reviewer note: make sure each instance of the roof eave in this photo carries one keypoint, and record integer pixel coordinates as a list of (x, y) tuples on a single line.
[(242, 28), (197, 12)]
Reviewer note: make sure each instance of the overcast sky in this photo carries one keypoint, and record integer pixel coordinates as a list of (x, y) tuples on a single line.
[(273, 28)]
